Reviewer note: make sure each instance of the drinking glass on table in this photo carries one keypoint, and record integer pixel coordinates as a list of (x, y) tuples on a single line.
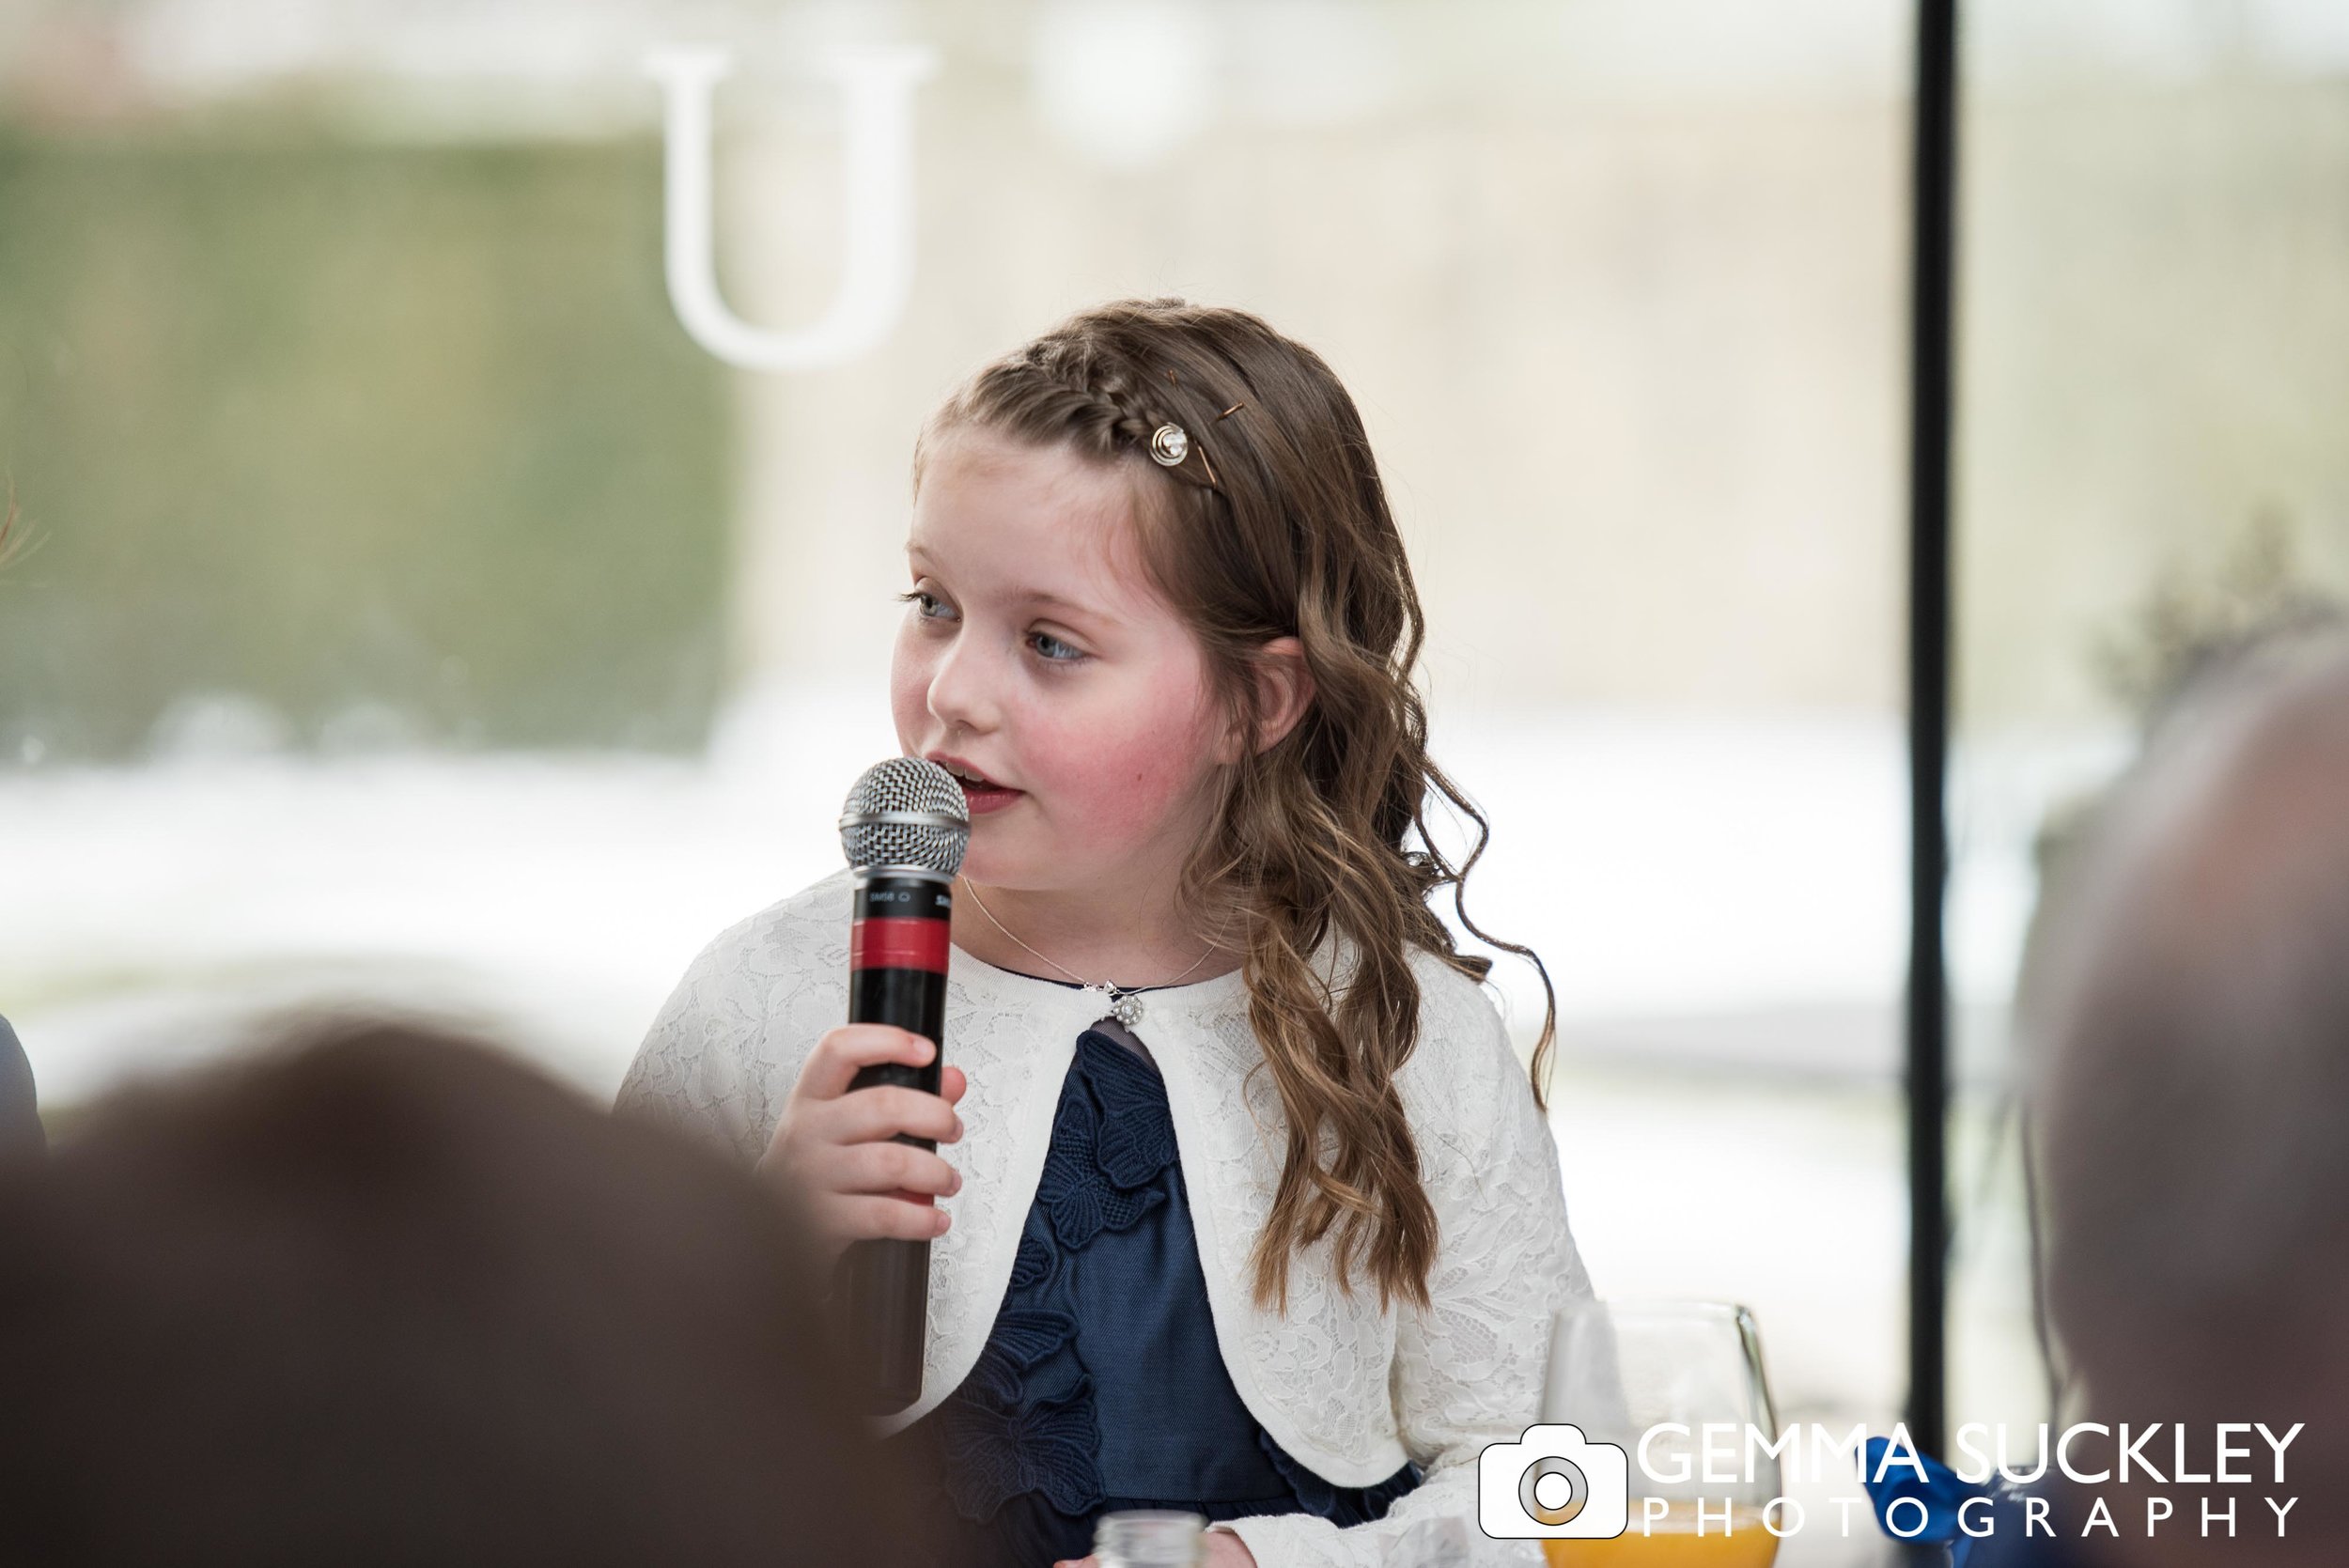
[(1666, 1370)]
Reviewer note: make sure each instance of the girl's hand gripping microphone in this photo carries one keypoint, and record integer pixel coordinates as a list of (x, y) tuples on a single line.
[(904, 830)]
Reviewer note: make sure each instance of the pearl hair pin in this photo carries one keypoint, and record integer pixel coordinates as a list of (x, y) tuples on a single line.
[(1169, 443)]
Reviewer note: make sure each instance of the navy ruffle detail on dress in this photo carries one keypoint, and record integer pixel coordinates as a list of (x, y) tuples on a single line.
[(1134, 1131), (1029, 1265), (1111, 1138), (1343, 1505), (995, 1452), (1023, 1338), (1102, 1384)]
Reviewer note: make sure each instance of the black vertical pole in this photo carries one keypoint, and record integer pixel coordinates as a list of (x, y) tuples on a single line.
[(1931, 301)]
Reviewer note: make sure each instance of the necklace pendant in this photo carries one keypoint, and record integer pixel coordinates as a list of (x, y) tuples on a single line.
[(1126, 1010)]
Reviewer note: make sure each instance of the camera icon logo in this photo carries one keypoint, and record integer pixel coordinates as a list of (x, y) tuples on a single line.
[(1593, 1503)]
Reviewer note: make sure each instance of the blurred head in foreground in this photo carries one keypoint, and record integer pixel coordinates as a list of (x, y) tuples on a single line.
[(385, 1297), (2195, 1117)]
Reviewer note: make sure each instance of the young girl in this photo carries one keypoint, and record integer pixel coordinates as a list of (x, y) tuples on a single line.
[(1249, 1209)]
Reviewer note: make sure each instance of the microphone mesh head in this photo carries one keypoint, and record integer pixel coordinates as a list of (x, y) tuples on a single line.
[(908, 811)]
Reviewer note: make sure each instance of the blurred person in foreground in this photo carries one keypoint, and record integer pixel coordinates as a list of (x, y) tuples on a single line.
[(387, 1297), (2193, 1120), (20, 1112)]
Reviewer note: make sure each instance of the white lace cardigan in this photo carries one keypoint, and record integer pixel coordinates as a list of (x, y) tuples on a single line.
[(1349, 1390)]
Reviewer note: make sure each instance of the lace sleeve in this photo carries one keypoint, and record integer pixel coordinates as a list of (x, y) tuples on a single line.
[(694, 1071), (1468, 1369)]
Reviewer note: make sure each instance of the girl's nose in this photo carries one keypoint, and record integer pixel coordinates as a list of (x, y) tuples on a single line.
[(962, 688)]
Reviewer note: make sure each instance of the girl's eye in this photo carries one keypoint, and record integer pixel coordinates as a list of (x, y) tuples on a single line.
[(925, 605), (1053, 649)]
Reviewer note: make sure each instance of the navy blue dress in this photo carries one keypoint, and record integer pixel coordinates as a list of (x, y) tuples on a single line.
[(1102, 1386)]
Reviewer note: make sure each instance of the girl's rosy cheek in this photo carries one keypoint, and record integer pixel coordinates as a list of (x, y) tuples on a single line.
[(1129, 784)]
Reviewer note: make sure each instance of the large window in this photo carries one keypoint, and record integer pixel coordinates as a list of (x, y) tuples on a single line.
[(2154, 377)]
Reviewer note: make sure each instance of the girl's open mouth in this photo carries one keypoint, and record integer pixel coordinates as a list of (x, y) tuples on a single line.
[(983, 794)]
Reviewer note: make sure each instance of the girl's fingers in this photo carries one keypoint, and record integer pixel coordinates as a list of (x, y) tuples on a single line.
[(841, 1051), (885, 1168), (878, 1218), (884, 1113), (951, 1083)]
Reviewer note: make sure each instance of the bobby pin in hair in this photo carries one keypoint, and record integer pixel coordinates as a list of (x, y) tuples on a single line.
[(1181, 447)]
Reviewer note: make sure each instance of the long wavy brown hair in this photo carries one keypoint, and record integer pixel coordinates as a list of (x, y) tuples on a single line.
[(1274, 525)]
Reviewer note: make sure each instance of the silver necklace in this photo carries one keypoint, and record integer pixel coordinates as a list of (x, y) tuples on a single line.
[(1125, 1003)]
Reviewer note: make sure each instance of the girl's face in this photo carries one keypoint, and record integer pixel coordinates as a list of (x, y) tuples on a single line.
[(1036, 655)]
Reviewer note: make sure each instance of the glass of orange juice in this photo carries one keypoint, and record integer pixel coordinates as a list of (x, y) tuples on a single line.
[(1677, 1386)]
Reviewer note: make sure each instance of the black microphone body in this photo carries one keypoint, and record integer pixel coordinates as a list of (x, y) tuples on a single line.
[(883, 1287), (904, 830)]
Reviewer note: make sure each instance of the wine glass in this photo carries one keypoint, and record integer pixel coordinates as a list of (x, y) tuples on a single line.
[(1677, 1386)]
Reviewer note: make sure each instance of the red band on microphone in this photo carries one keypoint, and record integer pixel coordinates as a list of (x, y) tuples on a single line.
[(899, 943)]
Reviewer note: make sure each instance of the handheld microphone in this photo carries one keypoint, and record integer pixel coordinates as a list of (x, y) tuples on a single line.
[(904, 830)]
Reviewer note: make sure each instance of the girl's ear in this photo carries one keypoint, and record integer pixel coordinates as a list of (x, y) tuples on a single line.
[(1284, 690)]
